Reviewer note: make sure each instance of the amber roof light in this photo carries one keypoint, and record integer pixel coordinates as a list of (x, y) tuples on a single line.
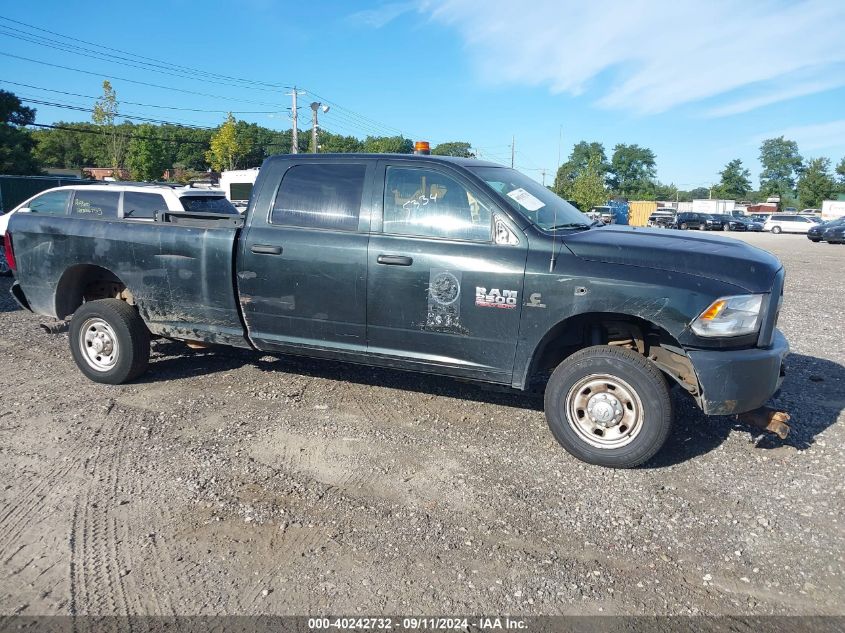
[(422, 147)]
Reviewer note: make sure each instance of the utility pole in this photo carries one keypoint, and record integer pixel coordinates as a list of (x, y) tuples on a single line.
[(294, 136), (543, 174), (513, 148)]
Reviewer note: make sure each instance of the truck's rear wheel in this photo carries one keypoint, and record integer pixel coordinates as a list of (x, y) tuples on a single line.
[(109, 341), (609, 406)]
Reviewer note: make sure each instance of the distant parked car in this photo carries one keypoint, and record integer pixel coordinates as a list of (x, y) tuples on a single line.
[(700, 221), (834, 234), (732, 223), (661, 220), (816, 233), (789, 223), (604, 214), (752, 224)]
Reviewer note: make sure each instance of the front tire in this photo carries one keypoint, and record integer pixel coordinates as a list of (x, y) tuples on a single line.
[(776, 230), (109, 341), (609, 406)]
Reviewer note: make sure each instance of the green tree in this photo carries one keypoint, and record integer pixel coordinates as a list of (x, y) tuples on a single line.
[(227, 146), (461, 149), (735, 183), (632, 170), (16, 143), (338, 143), (105, 115), (582, 153), (699, 193), (665, 192), (146, 157), (388, 145), (588, 189), (816, 183), (840, 175), (781, 164)]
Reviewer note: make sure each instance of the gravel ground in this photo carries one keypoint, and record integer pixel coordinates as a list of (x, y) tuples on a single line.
[(228, 482)]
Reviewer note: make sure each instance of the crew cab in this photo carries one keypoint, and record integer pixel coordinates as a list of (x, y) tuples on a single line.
[(450, 266)]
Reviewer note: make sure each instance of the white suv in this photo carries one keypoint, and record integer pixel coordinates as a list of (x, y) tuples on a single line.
[(789, 223), (118, 200)]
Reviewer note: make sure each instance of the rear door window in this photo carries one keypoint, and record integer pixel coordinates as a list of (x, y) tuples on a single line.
[(50, 203), (91, 203), (142, 206), (320, 197)]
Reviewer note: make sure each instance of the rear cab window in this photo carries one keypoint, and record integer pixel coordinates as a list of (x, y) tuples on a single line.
[(96, 204), (320, 196)]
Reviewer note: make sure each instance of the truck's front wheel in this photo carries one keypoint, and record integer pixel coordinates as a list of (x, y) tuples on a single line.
[(609, 406), (109, 341)]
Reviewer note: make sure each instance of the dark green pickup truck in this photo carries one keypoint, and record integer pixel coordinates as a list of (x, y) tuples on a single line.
[(448, 266)]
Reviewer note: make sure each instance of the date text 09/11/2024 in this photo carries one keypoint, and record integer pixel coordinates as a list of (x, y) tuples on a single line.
[(414, 623)]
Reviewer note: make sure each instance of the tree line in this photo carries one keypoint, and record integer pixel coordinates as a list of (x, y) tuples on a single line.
[(147, 150), (589, 178)]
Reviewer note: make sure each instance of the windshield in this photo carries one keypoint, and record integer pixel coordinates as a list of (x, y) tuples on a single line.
[(531, 199)]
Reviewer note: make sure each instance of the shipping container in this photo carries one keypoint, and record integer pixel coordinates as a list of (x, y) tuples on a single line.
[(639, 212), (717, 207), (684, 207)]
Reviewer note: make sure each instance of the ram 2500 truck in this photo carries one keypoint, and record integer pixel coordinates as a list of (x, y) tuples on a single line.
[(447, 266)]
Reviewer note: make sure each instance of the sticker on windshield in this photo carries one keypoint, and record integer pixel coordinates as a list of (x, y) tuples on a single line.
[(526, 199)]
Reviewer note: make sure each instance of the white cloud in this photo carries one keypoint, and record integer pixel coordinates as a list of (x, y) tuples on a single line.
[(383, 14), (813, 137), (652, 55)]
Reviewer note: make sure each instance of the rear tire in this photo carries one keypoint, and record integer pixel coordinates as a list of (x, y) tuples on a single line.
[(609, 406), (776, 230), (109, 341), (684, 226)]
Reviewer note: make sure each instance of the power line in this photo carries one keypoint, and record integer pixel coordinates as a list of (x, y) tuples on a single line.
[(145, 105), (155, 62), (75, 50), (67, 106), (134, 81)]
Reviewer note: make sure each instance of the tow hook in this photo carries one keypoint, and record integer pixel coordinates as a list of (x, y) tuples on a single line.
[(768, 420), (55, 328)]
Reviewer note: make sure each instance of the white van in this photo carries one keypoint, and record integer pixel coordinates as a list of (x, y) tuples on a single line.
[(237, 186), (789, 223)]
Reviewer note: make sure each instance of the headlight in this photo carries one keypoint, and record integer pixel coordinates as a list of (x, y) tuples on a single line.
[(730, 316)]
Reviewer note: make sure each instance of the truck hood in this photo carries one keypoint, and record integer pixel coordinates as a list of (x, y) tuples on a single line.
[(722, 258)]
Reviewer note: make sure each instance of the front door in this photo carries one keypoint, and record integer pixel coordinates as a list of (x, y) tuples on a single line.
[(441, 293), (302, 265)]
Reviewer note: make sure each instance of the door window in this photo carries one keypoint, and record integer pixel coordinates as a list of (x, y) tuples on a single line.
[(90, 203), (142, 206), (427, 203), (52, 203), (320, 196)]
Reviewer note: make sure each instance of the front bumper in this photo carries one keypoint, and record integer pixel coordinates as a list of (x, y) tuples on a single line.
[(739, 380)]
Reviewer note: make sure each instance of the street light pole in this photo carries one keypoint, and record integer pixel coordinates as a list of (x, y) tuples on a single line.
[(315, 106)]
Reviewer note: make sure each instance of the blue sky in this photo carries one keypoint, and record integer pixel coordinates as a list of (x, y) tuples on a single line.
[(699, 83)]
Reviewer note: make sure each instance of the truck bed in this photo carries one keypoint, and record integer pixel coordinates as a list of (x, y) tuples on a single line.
[(178, 269)]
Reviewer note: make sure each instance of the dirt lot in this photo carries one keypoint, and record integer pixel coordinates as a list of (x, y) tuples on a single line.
[(230, 482)]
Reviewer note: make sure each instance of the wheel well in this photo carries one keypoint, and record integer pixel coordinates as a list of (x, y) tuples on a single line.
[(86, 282), (618, 330)]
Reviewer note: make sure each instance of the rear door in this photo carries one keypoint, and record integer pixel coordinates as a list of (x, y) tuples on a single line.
[(441, 293), (302, 262)]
